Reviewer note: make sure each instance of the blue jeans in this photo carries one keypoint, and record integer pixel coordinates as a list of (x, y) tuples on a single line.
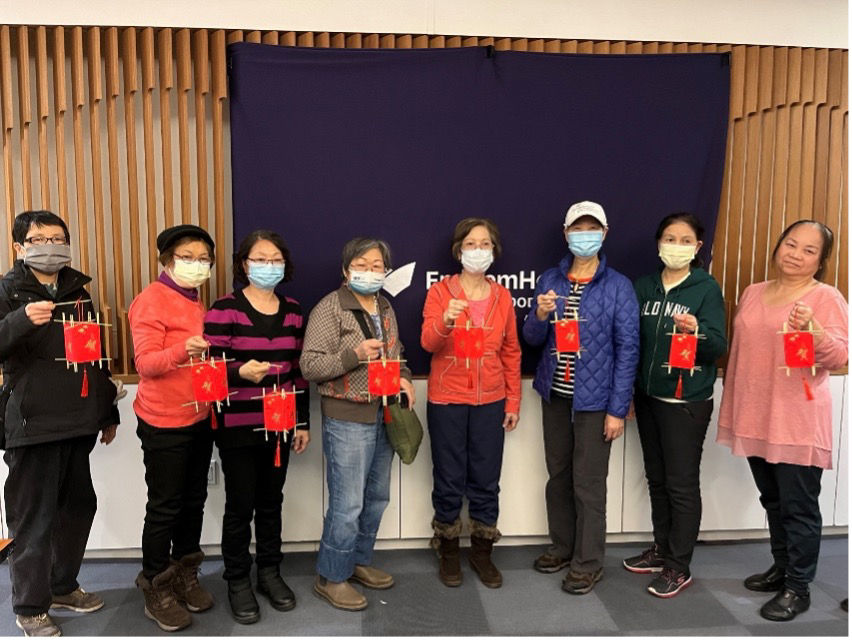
[(358, 465)]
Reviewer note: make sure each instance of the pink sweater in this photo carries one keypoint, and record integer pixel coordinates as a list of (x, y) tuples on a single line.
[(764, 412), (161, 319)]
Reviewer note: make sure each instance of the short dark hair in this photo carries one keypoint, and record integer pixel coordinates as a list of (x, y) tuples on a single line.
[(827, 242), (249, 242), (169, 252), (689, 219), (39, 218), (361, 245), (463, 228)]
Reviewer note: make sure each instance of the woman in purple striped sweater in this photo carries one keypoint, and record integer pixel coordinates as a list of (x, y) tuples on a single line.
[(262, 331)]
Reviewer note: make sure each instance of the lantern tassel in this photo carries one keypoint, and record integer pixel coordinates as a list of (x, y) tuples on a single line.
[(469, 379), (808, 393), (679, 388), (214, 423), (278, 453), (84, 393), (567, 376), (387, 415)]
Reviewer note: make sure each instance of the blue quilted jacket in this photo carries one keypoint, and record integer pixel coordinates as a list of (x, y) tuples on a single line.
[(604, 373)]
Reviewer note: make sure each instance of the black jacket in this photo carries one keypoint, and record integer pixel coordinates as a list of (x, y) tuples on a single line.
[(45, 404)]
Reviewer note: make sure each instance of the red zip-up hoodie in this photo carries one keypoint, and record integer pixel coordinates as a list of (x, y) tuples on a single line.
[(495, 376)]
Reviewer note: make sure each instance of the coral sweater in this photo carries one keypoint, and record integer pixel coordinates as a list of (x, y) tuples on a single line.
[(495, 376), (161, 319), (764, 412)]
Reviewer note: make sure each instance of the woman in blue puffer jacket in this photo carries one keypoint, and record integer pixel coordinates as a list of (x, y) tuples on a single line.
[(585, 395)]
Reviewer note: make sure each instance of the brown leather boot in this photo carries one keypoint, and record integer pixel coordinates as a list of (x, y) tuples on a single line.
[(160, 603), (446, 544), (482, 539), (187, 588)]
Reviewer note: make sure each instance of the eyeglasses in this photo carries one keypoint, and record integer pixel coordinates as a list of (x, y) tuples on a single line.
[(276, 262), (364, 267), (43, 240), (203, 260)]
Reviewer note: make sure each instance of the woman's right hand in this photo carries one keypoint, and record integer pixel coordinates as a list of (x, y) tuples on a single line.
[(196, 346), (254, 371), (454, 310), (368, 349), (545, 304)]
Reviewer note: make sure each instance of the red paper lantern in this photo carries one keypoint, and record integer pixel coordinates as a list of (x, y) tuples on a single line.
[(279, 412), (209, 382), (682, 351), (799, 349), (468, 342), (383, 378), (82, 342), (567, 335)]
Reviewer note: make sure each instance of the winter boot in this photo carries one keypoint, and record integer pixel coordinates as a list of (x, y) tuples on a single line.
[(187, 588), (482, 540), (160, 603), (446, 544)]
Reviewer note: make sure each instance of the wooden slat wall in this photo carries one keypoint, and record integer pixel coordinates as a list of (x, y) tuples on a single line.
[(786, 155)]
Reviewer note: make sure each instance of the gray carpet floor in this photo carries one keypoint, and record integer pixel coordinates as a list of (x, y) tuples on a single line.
[(529, 603)]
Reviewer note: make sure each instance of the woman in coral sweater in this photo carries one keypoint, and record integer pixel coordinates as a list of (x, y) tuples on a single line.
[(472, 401), (167, 322), (783, 423)]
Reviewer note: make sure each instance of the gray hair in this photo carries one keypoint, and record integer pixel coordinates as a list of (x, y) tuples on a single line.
[(360, 246)]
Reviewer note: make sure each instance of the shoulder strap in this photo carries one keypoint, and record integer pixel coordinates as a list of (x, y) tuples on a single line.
[(361, 317)]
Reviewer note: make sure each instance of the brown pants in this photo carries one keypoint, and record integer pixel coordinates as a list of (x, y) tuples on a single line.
[(577, 458)]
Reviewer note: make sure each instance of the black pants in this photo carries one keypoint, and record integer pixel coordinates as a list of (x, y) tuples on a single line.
[(253, 488), (577, 458), (790, 495), (467, 456), (672, 437), (176, 463), (50, 506)]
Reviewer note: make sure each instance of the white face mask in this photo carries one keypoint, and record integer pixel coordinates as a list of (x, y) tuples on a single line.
[(190, 274), (676, 256), (477, 261), (366, 282)]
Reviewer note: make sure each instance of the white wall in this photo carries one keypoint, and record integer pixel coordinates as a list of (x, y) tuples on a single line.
[(813, 23), (730, 499)]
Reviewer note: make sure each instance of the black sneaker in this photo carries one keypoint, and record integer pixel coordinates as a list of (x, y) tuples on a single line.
[(649, 561), (670, 583), (548, 563)]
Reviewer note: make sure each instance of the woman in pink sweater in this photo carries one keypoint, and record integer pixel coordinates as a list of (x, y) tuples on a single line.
[(167, 323), (783, 423)]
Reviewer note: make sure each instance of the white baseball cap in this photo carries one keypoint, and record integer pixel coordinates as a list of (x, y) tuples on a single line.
[(585, 208)]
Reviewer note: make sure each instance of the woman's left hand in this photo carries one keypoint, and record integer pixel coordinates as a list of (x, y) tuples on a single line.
[(800, 315), (301, 438), (685, 323), (613, 427), (407, 387), (510, 422)]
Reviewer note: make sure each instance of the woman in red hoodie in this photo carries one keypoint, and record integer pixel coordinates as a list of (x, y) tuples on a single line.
[(167, 323), (474, 397)]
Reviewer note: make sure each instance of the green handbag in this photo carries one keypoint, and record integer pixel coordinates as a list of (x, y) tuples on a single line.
[(404, 432)]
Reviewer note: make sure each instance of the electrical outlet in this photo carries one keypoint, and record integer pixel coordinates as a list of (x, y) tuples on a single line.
[(213, 473)]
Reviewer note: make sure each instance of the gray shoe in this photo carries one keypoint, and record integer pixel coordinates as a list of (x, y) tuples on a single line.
[(79, 601), (38, 625)]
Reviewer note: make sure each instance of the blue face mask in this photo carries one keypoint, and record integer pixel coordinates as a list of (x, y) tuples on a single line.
[(265, 276), (585, 243), (366, 282)]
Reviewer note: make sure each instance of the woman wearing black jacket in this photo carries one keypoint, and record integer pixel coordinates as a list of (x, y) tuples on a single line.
[(51, 425)]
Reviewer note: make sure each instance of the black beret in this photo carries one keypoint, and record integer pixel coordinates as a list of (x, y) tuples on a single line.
[(171, 235)]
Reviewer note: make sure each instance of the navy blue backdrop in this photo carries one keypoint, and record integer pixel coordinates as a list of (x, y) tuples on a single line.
[(328, 144)]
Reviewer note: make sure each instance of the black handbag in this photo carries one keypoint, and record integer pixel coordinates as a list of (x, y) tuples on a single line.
[(404, 430)]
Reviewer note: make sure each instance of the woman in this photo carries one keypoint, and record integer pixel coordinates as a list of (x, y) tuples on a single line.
[(673, 406), (769, 416), (585, 395), (262, 331), (472, 402), (167, 321), (346, 328)]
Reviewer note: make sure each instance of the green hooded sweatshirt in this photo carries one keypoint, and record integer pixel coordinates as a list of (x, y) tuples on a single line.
[(698, 295)]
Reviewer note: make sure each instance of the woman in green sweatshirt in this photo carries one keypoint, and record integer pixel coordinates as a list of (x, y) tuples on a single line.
[(673, 405)]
